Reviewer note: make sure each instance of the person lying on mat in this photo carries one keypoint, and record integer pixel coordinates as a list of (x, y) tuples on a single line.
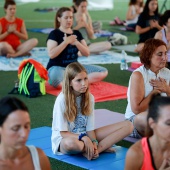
[(73, 119), (153, 151), (12, 30), (150, 78), (83, 23), (147, 24), (63, 45), (14, 131), (164, 34), (135, 8)]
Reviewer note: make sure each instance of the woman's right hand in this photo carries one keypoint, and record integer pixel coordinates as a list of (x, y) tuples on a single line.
[(70, 39), (89, 147), (159, 85), (11, 28), (154, 24), (81, 23), (138, 10)]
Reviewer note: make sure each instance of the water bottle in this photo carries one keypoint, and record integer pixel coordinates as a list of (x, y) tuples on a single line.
[(123, 64)]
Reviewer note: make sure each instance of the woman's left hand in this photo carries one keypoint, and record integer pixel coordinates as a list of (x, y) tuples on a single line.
[(160, 84)]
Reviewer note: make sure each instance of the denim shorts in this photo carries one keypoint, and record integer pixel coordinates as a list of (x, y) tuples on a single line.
[(135, 133), (56, 73)]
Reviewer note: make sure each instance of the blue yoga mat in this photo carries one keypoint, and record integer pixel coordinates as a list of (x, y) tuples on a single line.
[(41, 137)]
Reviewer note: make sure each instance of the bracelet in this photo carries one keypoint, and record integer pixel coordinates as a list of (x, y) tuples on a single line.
[(95, 140), (82, 135)]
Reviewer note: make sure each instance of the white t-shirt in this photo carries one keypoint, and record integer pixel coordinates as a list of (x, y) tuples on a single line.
[(81, 124), (147, 76)]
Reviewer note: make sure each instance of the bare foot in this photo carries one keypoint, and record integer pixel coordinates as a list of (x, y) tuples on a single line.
[(26, 54), (86, 155), (9, 55), (110, 150)]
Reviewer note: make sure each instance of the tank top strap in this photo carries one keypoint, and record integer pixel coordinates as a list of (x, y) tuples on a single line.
[(147, 158), (164, 36), (35, 157)]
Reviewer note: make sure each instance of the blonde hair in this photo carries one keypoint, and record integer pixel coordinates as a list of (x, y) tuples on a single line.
[(70, 99)]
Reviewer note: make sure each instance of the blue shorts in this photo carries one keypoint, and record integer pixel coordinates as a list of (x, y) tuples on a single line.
[(56, 73), (135, 133)]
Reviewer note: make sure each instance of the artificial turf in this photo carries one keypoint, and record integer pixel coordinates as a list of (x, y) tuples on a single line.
[(40, 108)]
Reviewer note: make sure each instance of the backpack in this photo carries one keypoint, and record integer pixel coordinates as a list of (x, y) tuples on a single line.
[(32, 77)]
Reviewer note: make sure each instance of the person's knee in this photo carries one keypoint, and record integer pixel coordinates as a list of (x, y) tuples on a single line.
[(104, 74), (34, 41), (140, 123), (108, 45), (4, 45), (55, 78), (139, 47), (71, 145), (55, 82)]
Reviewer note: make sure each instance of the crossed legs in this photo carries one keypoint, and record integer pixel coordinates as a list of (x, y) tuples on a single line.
[(97, 76), (23, 49), (98, 47), (111, 134), (107, 136), (139, 47)]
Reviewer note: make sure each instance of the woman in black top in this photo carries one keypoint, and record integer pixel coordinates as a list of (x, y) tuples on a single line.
[(147, 24), (63, 45)]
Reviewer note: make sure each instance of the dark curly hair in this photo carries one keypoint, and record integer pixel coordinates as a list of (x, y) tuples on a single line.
[(149, 47)]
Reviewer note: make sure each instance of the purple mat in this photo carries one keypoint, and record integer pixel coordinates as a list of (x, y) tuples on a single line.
[(130, 69), (104, 117), (126, 29)]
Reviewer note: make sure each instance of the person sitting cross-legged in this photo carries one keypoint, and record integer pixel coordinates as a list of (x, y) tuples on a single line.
[(12, 30)]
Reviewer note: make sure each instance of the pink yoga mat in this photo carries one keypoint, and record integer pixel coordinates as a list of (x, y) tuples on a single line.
[(102, 91)]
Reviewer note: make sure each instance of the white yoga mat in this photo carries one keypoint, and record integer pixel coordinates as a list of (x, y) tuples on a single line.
[(129, 48), (40, 54)]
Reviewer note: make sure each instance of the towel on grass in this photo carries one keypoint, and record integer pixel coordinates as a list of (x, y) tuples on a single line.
[(40, 54), (102, 91)]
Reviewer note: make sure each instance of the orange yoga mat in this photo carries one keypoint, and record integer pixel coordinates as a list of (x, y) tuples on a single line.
[(102, 91)]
